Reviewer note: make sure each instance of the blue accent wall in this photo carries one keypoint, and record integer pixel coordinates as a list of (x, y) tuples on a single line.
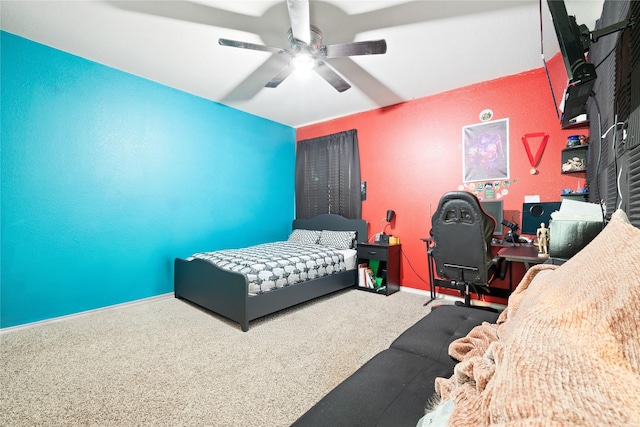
[(107, 177)]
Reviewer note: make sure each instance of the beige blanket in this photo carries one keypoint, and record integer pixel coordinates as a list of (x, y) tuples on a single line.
[(566, 351)]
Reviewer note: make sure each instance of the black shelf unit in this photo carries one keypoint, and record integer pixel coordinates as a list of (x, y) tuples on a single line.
[(580, 152), (582, 197), (388, 257)]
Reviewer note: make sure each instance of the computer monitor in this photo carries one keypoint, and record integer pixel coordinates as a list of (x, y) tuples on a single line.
[(535, 213), (494, 208)]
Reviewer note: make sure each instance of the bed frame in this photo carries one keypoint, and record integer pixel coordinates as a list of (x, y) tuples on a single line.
[(227, 293)]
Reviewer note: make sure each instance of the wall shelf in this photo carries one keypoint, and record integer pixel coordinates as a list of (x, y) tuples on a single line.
[(579, 154), (575, 196)]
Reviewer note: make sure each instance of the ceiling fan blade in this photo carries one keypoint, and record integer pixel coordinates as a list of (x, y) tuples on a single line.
[(279, 78), (332, 77), (253, 46), (368, 84), (248, 88), (373, 47), (299, 17)]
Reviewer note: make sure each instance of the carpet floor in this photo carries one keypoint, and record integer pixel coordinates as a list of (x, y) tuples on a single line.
[(169, 363)]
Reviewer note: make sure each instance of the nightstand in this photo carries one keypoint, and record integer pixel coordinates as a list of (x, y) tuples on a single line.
[(384, 262)]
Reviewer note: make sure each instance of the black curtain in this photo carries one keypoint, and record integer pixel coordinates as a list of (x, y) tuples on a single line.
[(328, 176)]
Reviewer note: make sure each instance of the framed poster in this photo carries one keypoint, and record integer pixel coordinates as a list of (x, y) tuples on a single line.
[(485, 151)]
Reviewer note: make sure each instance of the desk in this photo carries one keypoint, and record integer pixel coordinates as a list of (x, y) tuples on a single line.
[(432, 287), (526, 254)]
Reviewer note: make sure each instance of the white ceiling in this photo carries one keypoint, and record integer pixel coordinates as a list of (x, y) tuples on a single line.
[(433, 46)]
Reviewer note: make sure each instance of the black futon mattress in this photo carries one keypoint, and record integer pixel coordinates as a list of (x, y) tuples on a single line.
[(393, 387)]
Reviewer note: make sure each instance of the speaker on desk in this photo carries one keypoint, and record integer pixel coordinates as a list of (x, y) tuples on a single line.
[(535, 213)]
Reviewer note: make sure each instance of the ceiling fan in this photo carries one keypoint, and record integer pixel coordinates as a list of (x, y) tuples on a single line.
[(306, 50)]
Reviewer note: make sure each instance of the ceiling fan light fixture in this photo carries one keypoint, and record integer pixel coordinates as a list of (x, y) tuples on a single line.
[(303, 62), (307, 53)]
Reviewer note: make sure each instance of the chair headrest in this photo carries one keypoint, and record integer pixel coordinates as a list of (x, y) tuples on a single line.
[(474, 204), (461, 195)]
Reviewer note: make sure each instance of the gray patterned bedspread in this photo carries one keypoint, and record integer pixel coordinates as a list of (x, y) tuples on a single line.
[(274, 265)]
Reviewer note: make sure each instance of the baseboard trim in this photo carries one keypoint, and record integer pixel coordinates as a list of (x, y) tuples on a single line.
[(85, 313), (414, 291)]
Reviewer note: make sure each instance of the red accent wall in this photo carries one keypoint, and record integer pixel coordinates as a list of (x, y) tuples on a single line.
[(411, 154)]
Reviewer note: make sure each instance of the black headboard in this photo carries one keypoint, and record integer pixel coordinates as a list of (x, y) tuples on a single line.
[(334, 222)]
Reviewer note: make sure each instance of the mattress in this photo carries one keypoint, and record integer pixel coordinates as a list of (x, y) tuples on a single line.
[(275, 265)]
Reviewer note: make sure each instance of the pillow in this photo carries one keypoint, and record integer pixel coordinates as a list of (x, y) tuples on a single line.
[(338, 239), (309, 237)]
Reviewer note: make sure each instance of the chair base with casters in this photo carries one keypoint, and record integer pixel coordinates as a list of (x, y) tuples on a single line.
[(463, 286)]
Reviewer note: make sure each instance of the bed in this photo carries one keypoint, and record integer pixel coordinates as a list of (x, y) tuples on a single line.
[(226, 292)]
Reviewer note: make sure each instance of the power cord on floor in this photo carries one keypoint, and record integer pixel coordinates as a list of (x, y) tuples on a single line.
[(413, 269)]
